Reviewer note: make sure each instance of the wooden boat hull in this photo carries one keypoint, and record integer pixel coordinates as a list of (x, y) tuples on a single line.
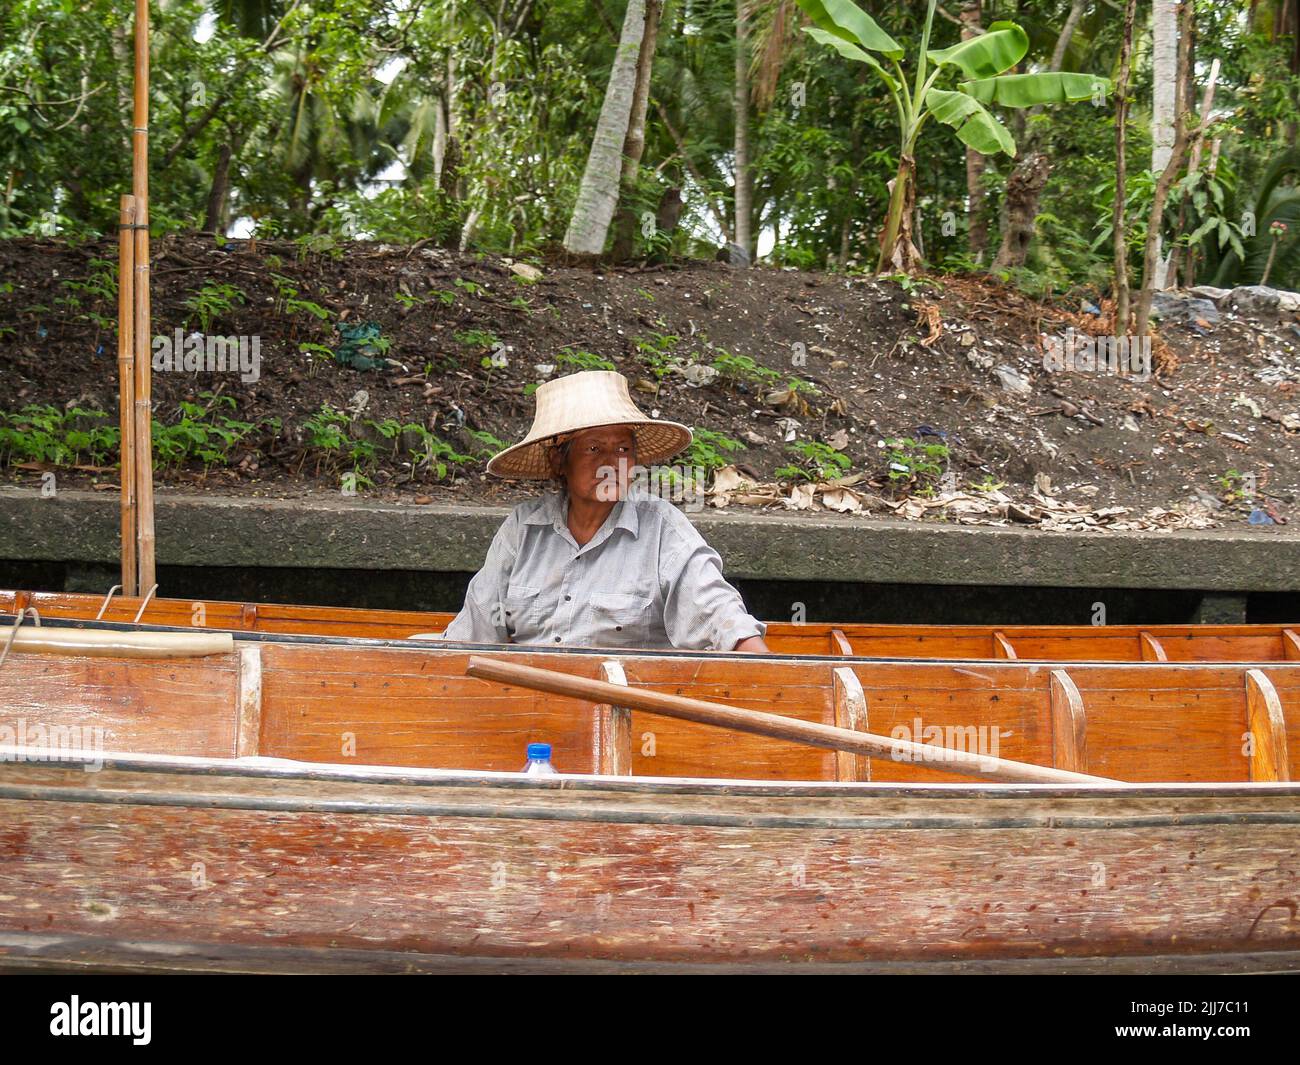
[(1065, 643), (190, 864), (321, 700)]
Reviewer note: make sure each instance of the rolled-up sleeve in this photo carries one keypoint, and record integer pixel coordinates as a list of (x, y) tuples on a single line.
[(482, 618), (702, 611)]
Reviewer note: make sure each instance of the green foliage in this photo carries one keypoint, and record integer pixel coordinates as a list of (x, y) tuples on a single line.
[(310, 244), (487, 445), (339, 443), (741, 368), (327, 429), (213, 300), (434, 456), (313, 129), (582, 360), (1277, 199), (710, 449), (983, 59), (1233, 487), (817, 462), (46, 434), (477, 338), (287, 301), (657, 354), (914, 460), (204, 432), (101, 282)]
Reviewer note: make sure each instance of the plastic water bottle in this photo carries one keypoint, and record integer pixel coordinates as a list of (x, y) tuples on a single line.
[(539, 761)]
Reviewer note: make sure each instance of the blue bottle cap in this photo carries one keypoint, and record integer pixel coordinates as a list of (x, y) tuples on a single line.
[(539, 751)]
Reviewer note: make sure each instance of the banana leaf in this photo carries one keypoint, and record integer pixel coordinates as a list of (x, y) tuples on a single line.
[(989, 54), (1030, 90), (849, 50), (974, 125), (844, 19)]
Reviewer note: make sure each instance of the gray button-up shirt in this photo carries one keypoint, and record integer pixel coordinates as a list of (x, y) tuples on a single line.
[(646, 579)]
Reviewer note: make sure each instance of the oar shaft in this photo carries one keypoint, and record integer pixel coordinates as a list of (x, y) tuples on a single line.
[(774, 726)]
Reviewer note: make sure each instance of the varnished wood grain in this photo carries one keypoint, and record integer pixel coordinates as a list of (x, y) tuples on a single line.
[(1002, 647), (161, 705), (496, 872), (1290, 644), (385, 705), (1151, 648), (1266, 724), (613, 728), (249, 737), (1228, 643), (850, 713), (1069, 724)]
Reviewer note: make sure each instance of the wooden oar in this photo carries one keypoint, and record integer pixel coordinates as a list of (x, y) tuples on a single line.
[(775, 726), (95, 642)]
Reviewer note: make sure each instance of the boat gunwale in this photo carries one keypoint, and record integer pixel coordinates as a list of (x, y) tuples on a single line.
[(270, 768), (64, 952), (408, 644)]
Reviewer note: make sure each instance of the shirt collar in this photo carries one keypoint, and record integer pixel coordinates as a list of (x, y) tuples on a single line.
[(554, 511)]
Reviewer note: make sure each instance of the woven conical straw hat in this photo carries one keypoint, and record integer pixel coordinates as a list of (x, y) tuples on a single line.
[(584, 401)]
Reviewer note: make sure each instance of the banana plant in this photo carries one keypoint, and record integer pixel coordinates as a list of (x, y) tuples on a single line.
[(979, 64)]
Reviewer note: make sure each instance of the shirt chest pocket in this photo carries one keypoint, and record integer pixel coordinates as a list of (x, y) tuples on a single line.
[(521, 607), (621, 619)]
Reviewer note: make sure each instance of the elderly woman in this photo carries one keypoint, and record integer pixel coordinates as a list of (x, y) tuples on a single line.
[(594, 564)]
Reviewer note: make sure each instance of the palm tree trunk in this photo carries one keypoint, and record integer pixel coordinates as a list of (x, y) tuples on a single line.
[(1152, 273), (744, 191), (634, 144), (1165, 96), (598, 192), (1120, 223)]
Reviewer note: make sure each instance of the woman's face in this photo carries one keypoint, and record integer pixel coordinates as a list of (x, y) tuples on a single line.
[(598, 463)]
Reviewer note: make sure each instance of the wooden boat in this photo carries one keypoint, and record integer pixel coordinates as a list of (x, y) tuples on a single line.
[(1062, 643), (306, 803)]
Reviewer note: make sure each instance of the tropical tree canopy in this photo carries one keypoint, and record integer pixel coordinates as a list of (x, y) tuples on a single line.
[(472, 124)]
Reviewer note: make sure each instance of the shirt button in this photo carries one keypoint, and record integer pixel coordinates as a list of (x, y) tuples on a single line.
[(557, 639), (618, 628), (567, 598)]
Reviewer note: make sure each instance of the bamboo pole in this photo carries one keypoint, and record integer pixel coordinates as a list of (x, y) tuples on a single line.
[(775, 726), (126, 388), (111, 644), (143, 385)]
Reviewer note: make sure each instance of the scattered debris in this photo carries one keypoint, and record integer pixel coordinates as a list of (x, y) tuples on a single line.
[(1013, 380)]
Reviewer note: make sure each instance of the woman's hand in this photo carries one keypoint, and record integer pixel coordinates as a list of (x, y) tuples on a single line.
[(753, 645)]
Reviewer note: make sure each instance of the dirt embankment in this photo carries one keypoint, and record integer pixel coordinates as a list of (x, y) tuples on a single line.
[(774, 361)]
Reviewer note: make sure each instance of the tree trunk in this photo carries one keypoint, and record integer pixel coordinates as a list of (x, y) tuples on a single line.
[(214, 218), (744, 174), (896, 247), (634, 144), (448, 163), (598, 193), (1152, 274), (1119, 221), (1182, 260), (1031, 171), (977, 225), (1165, 99), (1024, 189)]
